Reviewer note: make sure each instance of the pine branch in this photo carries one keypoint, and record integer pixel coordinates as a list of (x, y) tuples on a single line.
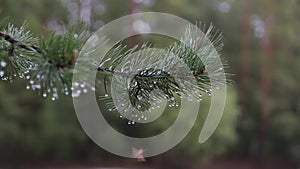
[(48, 65), (14, 41)]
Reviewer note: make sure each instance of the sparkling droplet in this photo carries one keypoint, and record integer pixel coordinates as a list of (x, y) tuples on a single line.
[(31, 82), (45, 95), (27, 87), (75, 94), (3, 64), (106, 95), (53, 98), (139, 97), (38, 86), (1, 73)]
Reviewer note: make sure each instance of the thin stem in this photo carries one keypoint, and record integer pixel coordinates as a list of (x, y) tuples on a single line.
[(110, 71), (14, 41), (37, 49)]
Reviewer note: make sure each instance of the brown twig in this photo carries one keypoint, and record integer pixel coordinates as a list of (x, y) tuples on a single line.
[(34, 48), (14, 41)]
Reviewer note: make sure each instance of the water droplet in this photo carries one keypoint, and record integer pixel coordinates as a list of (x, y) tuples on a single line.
[(139, 97), (38, 86), (75, 94), (45, 95), (106, 95), (53, 98), (1, 73), (28, 77), (109, 109), (85, 90), (3, 64), (27, 87), (54, 90)]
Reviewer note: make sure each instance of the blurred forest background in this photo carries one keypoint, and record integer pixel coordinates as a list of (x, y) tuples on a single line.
[(260, 127)]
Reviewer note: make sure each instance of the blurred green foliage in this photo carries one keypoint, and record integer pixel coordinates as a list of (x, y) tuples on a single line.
[(34, 127)]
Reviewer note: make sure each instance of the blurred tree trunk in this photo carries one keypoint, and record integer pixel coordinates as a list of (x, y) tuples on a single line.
[(133, 8), (245, 52), (265, 83), (85, 11)]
